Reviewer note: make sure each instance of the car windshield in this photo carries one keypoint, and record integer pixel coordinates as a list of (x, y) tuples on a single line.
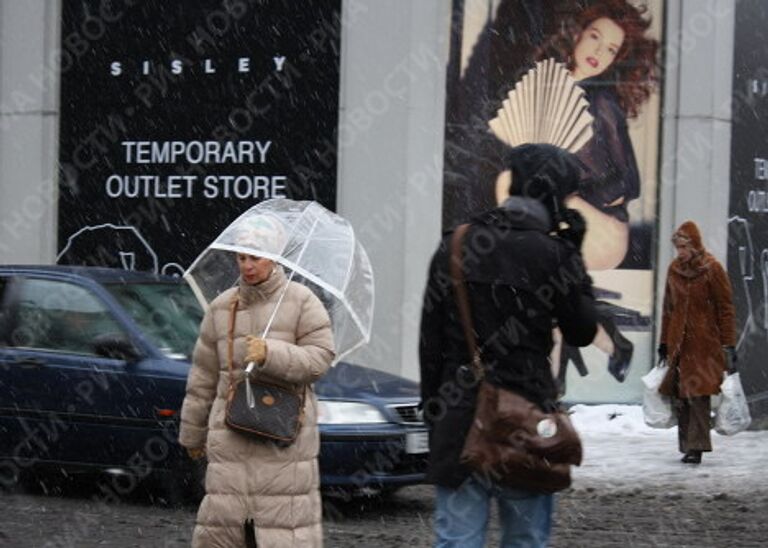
[(168, 314)]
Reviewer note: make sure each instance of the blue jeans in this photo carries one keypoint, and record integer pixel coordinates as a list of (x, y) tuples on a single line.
[(461, 516)]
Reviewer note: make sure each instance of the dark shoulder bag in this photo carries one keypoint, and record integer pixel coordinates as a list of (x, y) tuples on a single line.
[(511, 440), (274, 413)]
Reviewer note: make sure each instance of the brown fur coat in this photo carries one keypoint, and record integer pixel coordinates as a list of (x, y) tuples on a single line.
[(698, 319)]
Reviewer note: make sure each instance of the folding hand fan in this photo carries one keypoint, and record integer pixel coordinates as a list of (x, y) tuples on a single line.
[(545, 106)]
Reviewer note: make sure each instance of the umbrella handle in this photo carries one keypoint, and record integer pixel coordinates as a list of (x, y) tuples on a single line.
[(250, 400)]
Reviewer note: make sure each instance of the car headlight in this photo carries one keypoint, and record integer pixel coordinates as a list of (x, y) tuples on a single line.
[(347, 412)]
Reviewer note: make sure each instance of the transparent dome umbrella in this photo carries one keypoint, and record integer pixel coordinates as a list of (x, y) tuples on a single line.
[(315, 246)]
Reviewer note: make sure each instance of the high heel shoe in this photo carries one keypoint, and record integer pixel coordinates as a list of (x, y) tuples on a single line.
[(621, 359), (569, 354)]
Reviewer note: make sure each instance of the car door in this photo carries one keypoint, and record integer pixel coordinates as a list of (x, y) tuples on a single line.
[(61, 401)]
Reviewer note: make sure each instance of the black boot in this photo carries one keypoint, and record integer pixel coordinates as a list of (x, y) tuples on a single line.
[(621, 359), (692, 457)]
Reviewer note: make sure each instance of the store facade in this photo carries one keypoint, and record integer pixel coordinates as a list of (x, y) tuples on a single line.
[(214, 108)]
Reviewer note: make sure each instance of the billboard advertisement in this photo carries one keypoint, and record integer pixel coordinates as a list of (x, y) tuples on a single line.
[(514, 67), (748, 205), (177, 116)]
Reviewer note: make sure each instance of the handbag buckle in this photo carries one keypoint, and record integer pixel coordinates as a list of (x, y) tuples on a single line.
[(546, 428)]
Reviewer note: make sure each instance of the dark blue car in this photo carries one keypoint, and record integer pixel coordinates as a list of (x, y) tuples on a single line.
[(93, 368)]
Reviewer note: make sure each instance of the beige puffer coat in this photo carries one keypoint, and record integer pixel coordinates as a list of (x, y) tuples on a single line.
[(248, 479)]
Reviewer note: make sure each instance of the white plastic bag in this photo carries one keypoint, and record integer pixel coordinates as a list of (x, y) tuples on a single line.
[(657, 408), (733, 412)]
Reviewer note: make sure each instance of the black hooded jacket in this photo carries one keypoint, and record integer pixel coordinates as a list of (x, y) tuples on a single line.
[(521, 282)]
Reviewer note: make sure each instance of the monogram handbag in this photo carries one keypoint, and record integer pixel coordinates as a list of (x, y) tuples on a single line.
[(511, 440), (266, 411)]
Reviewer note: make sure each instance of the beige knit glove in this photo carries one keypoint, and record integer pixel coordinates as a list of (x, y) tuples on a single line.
[(257, 350), (196, 453)]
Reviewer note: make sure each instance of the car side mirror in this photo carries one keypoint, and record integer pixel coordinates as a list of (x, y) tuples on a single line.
[(116, 347)]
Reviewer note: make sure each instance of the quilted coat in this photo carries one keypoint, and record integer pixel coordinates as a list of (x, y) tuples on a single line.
[(698, 319), (276, 487)]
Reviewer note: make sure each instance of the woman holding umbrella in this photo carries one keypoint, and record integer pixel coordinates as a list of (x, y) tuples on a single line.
[(257, 492)]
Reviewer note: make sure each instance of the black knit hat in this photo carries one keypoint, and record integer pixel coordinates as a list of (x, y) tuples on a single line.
[(543, 172)]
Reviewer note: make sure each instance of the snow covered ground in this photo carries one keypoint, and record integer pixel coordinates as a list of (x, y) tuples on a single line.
[(621, 452)]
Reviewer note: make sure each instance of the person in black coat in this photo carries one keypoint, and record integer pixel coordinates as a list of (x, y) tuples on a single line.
[(525, 275)]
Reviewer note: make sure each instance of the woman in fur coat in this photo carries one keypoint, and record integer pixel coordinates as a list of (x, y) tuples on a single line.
[(698, 334)]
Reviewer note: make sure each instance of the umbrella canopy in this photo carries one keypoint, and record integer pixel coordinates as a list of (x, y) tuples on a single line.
[(319, 249)]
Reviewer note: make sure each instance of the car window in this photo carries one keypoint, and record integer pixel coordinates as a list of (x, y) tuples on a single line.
[(168, 313), (60, 316)]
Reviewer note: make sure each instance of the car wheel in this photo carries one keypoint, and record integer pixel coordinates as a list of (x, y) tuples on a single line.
[(54, 481), (9, 475)]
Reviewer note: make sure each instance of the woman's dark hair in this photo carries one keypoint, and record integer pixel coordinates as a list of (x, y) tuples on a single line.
[(634, 72)]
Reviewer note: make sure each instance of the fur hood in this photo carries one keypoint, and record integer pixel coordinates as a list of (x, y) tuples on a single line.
[(700, 261)]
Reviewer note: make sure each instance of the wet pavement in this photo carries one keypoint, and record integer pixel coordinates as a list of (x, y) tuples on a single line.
[(586, 515)]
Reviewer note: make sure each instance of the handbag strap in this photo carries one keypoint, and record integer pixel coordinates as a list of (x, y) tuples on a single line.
[(231, 347), (462, 298), (231, 336)]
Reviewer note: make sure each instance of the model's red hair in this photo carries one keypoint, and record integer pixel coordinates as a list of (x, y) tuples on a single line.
[(634, 72)]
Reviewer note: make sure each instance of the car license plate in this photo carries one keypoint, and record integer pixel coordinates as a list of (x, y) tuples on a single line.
[(417, 442)]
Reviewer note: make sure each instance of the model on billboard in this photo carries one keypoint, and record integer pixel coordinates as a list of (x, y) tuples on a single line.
[(603, 44), (606, 51), (615, 64)]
